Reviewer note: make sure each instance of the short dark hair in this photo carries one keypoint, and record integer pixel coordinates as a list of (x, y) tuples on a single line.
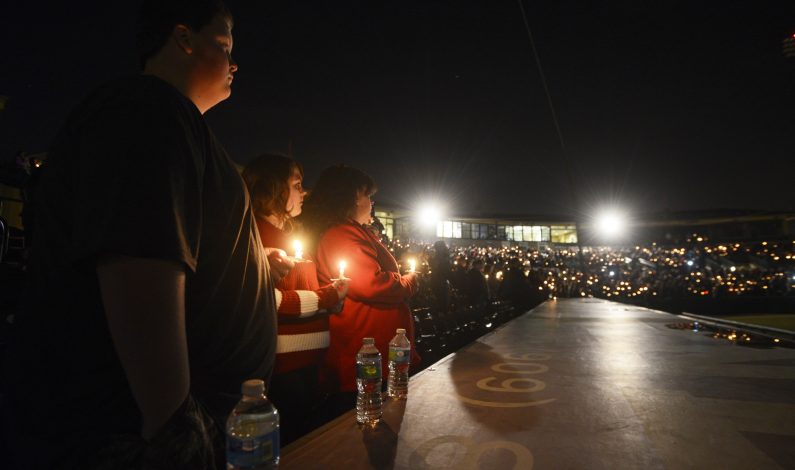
[(332, 199), (266, 178), (157, 18)]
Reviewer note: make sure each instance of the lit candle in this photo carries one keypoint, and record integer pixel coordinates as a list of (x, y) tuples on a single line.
[(299, 252), (342, 269), (412, 265)]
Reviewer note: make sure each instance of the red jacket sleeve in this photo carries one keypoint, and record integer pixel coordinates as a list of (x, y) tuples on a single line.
[(371, 269)]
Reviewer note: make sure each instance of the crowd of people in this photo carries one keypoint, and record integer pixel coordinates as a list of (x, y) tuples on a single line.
[(637, 273)]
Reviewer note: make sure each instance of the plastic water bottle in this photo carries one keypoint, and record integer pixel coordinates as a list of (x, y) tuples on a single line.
[(252, 431), (368, 382), (399, 359)]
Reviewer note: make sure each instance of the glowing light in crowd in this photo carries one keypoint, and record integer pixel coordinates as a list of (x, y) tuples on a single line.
[(690, 262), (343, 265), (611, 223), (299, 249), (412, 265)]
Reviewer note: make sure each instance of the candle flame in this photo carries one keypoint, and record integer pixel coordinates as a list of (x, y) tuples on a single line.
[(343, 265), (299, 249), (412, 265)]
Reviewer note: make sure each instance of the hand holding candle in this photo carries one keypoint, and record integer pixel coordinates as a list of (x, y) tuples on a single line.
[(412, 265)]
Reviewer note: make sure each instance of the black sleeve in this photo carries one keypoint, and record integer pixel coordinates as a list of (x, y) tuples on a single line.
[(138, 184)]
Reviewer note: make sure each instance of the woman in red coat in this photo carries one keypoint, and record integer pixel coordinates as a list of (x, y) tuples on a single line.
[(335, 217), (277, 194)]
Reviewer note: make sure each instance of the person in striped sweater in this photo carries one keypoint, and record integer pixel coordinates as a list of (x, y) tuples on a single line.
[(303, 306)]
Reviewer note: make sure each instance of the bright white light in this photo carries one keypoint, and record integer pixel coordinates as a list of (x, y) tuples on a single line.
[(429, 216), (612, 273), (611, 224), (690, 262), (732, 269)]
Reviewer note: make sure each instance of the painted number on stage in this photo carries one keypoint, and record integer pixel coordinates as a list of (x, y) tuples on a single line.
[(520, 365), (465, 454)]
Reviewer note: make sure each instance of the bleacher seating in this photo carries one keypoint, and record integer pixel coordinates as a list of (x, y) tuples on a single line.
[(438, 334)]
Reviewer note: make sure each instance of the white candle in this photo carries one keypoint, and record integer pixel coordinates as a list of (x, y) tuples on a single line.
[(299, 252), (412, 265), (342, 269)]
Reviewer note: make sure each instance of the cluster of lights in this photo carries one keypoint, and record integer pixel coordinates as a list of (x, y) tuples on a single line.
[(618, 272), (729, 334)]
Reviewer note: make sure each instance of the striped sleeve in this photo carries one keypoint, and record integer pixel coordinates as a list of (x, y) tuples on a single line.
[(303, 303)]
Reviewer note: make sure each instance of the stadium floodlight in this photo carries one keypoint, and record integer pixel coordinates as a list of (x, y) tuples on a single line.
[(611, 224), (429, 215)]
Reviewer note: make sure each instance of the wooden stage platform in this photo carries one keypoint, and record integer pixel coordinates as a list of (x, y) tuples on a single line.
[(579, 383)]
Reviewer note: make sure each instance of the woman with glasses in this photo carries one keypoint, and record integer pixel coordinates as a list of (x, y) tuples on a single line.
[(335, 220)]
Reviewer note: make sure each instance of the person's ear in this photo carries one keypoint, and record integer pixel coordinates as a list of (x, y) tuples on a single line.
[(183, 37)]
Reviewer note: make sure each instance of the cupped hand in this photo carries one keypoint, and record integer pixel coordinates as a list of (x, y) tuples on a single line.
[(341, 285), (280, 263)]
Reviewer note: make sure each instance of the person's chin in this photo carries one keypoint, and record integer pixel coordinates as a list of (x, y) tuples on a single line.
[(225, 93)]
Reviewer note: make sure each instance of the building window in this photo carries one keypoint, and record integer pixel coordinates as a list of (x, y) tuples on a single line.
[(448, 229), (402, 229), (563, 234), (479, 231), (388, 223), (466, 230)]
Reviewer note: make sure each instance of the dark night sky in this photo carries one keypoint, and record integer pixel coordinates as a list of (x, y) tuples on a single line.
[(663, 105)]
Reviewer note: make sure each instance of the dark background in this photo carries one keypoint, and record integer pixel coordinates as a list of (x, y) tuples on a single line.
[(662, 105)]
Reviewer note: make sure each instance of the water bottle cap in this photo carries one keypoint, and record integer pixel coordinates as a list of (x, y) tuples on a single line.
[(368, 340), (253, 388), (401, 331)]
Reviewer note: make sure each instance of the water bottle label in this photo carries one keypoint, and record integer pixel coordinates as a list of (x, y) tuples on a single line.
[(369, 371), (400, 355), (248, 452)]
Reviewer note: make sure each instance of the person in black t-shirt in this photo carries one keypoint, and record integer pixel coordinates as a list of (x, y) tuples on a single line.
[(150, 295)]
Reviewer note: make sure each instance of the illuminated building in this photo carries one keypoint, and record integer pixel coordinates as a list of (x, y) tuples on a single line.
[(484, 230)]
